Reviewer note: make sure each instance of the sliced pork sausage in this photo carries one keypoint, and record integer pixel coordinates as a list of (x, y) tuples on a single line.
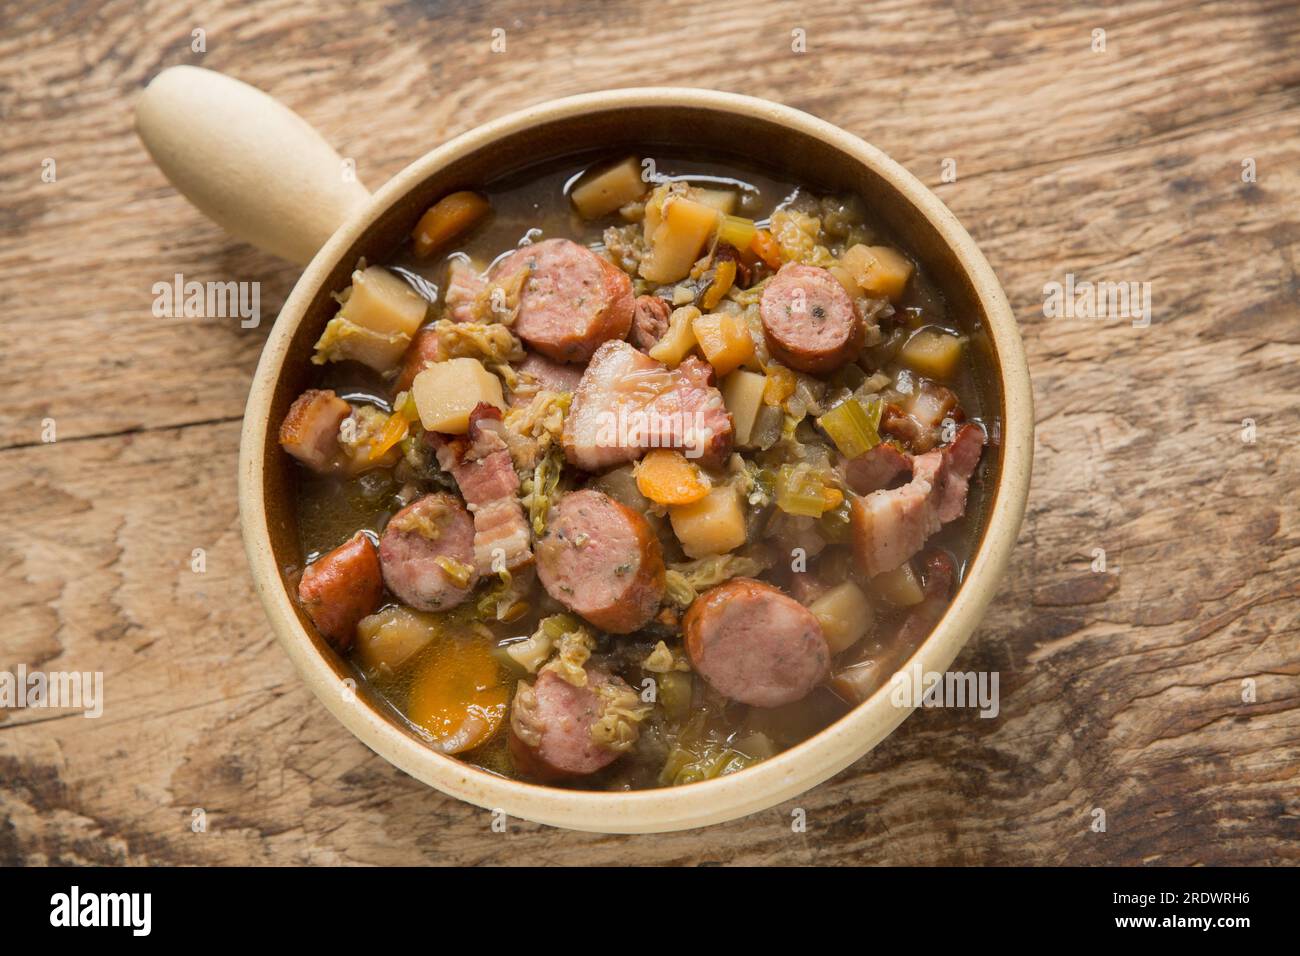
[(571, 301), (601, 560), (420, 354), (551, 724), (427, 553), (809, 321), (538, 373), (754, 644), (338, 589)]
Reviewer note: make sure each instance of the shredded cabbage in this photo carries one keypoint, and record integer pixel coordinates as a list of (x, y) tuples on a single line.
[(686, 580), (490, 342), (619, 724)]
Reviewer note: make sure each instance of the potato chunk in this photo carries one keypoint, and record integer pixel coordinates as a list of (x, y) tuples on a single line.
[(899, 587), (382, 302), (713, 525), (446, 392), (389, 638), (845, 615), (742, 393), (344, 340), (879, 271), (724, 339), (374, 326), (678, 341), (677, 240), (601, 192), (933, 353), (723, 200)]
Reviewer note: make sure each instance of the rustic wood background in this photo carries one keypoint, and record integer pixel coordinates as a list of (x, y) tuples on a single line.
[(1128, 691)]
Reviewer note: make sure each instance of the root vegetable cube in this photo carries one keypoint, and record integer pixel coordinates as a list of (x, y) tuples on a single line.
[(878, 270), (383, 303), (679, 339), (446, 392), (899, 587), (345, 340), (713, 525), (725, 341), (845, 615), (723, 200), (933, 353), (601, 192), (677, 240)]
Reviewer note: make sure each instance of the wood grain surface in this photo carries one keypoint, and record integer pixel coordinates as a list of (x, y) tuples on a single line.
[(1164, 692)]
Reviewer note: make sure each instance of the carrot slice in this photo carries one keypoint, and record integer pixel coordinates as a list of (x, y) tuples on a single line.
[(457, 693), (666, 477), (446, 219), (395, 429), (767, 248)]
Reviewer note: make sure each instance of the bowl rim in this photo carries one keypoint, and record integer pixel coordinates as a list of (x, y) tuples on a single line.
[(771, 781)]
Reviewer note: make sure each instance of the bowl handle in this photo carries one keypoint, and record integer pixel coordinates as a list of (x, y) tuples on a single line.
[(247, 161)]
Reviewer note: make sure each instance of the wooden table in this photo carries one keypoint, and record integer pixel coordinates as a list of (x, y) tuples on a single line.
[(1163, 691)]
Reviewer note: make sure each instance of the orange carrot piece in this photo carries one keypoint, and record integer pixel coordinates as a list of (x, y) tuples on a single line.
[(448, 218), (666, 477), (767, 248)]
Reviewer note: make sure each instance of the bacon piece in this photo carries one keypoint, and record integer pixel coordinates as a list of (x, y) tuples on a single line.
[(876, 468), (960, 457), (649, 322), (538, 373), (310, 430), (931, 404), (918, 424), (627, 403), (464, 285), (806, 588), (889, 527), (485, 474)]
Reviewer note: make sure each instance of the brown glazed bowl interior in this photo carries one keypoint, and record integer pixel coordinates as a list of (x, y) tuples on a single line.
[(684, 122)]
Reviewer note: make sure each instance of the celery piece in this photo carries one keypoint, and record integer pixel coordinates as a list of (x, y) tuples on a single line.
[(737, 231), (834, 524), (852, 427), (799, 492)]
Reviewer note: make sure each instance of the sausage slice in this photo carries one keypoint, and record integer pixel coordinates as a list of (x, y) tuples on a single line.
[(809, 321), (420, 354), (434, 527), (572, 300), (754, 644), (338, 589), (601, 559), (551, 722)]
